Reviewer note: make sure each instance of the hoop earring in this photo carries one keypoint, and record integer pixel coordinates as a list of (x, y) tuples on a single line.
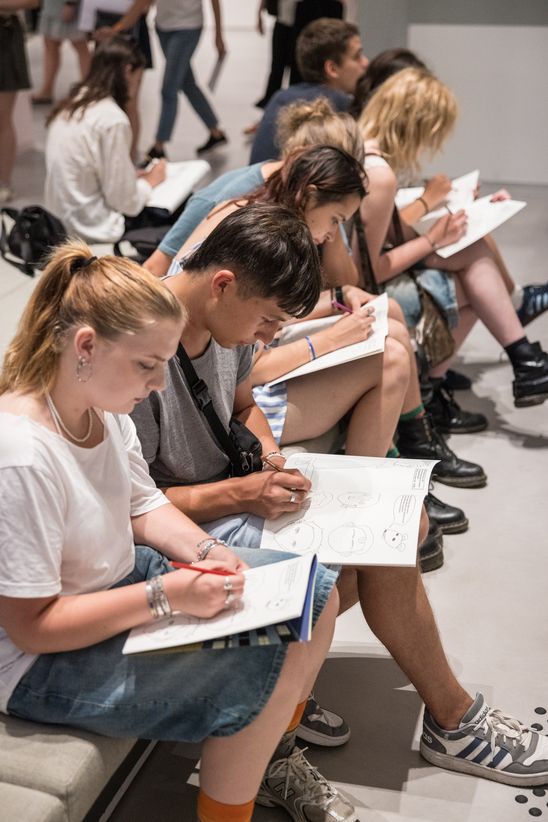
[(80, 366)]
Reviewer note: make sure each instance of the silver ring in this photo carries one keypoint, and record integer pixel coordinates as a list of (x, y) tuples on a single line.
[(293, 498), (229, 598), (227, 584)]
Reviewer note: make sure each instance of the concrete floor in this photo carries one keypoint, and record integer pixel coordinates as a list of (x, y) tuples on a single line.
[(490, 596)]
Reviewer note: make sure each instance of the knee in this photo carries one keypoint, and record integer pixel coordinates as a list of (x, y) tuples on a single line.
[(423, 526), (396, 366), (399, 331), (394, 311)]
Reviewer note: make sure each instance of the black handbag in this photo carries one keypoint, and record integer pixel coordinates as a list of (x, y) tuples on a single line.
[(241, 446), (34, 233)]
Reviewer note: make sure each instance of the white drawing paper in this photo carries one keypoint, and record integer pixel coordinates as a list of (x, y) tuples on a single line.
[(181, 179), (273, 594), (461, 194), (360, 511), (483, 217), (373, 345)]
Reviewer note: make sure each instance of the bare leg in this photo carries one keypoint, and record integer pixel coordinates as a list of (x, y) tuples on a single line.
[(373, 388), (132, 111), (398, 331), (8, 140), (484, 290), (232, 767), (52, 59), (397, 610), (84, 56), (501, 265)]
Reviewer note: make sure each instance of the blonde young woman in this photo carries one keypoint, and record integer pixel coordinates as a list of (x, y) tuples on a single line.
[(75, 496), (412, 113)]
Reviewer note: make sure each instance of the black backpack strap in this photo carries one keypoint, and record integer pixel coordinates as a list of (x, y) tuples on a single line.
[(26, 267), (200, 393), (368, 274)]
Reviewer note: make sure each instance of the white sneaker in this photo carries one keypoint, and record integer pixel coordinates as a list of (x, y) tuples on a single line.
[(489, 744), (303, 792)]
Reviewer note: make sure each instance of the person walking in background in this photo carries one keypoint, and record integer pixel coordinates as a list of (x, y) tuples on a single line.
[(14, 77), (58, 23), (179, 25)]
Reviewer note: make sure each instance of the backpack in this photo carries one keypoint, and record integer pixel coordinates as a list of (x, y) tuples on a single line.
[(34, 233), (144, 240)]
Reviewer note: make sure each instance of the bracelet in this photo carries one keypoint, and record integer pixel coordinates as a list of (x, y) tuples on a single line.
[(157, 601), (424, 204), (311, 348), (431, 241), (274, 454), (207, 545)]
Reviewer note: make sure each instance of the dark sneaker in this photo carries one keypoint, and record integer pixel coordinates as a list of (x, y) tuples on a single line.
[(152, 154), (487, 743), (535, 303), (418, 439), (456, 381), (431, 550), (297, 787), (451, 520), (322, 727), (212, 142), (530, 384), (448, 416)]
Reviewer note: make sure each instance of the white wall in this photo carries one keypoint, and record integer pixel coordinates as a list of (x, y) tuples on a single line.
[(499, 75)]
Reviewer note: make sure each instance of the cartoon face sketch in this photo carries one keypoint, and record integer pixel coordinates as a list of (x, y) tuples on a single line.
[(404, 506), (350, 539), (276, 603), (170, 628), (394, 537), (358, 499), (299, 536)]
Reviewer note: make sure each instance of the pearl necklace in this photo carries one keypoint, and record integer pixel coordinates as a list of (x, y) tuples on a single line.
[(59, 424)]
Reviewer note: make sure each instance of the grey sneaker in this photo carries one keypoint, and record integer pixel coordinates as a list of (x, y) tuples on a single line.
[(322, 727), (487, 743), (302, 792)]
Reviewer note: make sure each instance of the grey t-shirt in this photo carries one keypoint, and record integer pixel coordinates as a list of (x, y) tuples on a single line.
[(175, 436)]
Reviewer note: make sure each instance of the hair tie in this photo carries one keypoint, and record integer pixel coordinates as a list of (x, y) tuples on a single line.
[(80, 263)]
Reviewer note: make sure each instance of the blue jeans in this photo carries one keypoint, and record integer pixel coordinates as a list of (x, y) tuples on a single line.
[(185, 696), (178, 47)]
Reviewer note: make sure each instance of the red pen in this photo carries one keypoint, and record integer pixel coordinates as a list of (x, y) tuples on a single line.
[(216, 571), (341, 307)]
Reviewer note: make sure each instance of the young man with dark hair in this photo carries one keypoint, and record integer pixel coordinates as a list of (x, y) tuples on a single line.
[(331, 61)]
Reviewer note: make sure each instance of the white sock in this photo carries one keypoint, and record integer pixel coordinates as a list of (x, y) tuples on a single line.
[(517, 296)]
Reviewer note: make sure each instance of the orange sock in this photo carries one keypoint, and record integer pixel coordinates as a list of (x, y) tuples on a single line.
[(209, 810), (297, 716)]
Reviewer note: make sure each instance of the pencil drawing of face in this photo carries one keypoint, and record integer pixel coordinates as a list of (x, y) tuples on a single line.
[(394, 538), (358, 499), (299, 536), (349, 539)]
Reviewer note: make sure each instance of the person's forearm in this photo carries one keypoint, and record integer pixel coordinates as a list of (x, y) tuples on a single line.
[(401, 258), (209, 501), (132, 15), (254, 418), (158, 263), (169, 531), (413, 212), (217, 15), (337, 264), (18, 5)]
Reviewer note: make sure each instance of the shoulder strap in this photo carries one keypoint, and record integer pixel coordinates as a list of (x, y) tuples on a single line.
[(399, 238), (204, 403), (368, 273)]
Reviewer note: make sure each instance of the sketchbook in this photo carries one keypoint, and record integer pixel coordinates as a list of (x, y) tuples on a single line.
[(373, 345), (461, 195), (483, 217), (360, 511), (276, 608), (181, 179)]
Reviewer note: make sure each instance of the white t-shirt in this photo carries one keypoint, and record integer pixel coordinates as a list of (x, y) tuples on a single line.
[(65, 517), (179, 14), (90, 179)]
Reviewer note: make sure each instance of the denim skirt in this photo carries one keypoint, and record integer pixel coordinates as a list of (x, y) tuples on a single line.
[(439, 284), (185, 696)]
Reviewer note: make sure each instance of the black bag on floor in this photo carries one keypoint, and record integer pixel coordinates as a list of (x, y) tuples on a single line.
[(144, 240), (34, 233)]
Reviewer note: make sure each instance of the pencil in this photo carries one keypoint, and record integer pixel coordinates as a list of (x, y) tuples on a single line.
[(272, 464), (216, 571), (342, 307)]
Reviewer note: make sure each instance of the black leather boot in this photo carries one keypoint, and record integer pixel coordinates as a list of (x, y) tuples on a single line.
[(418, 439), (431, 550), (530, 384), (448, 416), (451, 520)]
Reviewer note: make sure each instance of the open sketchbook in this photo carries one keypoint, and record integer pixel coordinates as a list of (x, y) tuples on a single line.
[(483, 215), (360, 511), (461, 195), (373, 345), (181, 179), (276, 608)]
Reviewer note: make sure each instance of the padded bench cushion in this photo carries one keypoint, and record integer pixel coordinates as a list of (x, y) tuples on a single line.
[(20, 804), (73, 766)]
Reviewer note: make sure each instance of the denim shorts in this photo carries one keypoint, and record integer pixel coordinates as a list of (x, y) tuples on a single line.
[(174, 696), (439, 284)]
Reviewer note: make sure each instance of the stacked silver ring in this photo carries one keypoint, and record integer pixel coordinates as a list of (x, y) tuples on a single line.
[(293, 498), (227, 585)]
